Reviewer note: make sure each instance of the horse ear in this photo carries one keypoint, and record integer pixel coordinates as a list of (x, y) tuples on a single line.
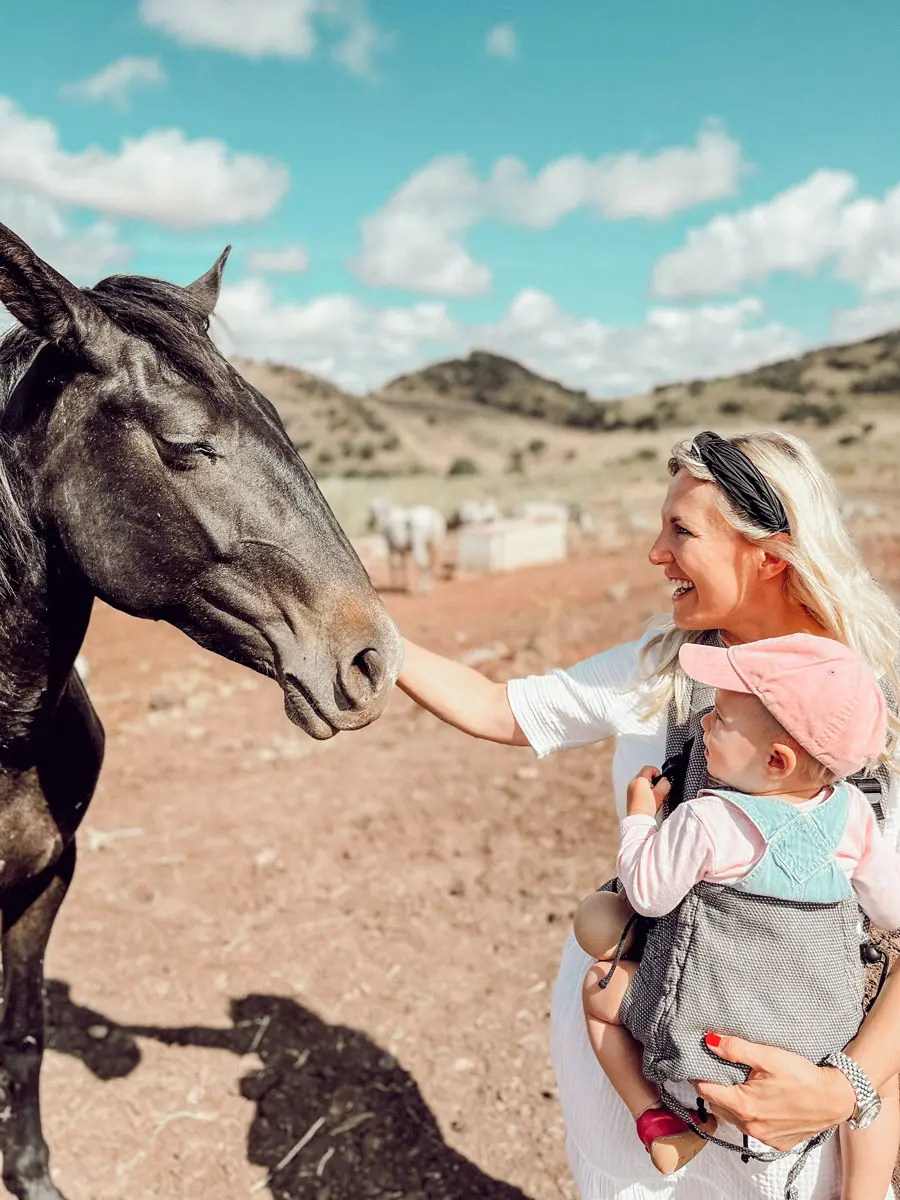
[(47, 304), (205, 290)]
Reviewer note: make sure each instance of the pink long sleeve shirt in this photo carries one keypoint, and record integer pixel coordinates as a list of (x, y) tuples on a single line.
[(709, 839)]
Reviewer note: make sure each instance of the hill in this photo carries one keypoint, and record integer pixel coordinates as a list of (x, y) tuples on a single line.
[(485, 414), (487, 380), (336, 433)]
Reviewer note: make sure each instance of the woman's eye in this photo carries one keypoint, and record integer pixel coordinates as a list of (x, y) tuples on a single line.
[(682, 532)]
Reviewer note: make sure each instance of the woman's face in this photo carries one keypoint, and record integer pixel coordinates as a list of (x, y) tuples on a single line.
[(716, 574)]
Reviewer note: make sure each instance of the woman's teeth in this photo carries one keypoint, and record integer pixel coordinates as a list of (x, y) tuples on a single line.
[(682, 587)]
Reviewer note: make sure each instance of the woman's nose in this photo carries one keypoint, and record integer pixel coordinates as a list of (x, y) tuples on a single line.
[(705, 722), (660, 554)]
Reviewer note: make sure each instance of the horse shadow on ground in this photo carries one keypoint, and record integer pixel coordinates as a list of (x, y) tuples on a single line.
[(336, 1117)]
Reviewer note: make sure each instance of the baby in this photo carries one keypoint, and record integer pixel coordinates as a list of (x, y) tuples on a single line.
[(792, 716)]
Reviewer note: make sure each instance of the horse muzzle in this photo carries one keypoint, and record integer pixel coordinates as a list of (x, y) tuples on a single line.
[(338, 689)]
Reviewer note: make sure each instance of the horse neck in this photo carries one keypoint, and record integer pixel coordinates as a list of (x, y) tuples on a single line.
[(44, 614), (44, 604)]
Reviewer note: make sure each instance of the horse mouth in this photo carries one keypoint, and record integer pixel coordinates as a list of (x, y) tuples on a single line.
[(301, 710)]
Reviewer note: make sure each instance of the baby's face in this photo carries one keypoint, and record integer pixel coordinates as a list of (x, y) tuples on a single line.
[(737, 735)]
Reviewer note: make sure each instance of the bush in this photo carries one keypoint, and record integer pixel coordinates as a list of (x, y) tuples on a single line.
[(696, 387), (325, 458), (780, 377), (880, 383), (806, 410), (366, 451), (666, 412), (732, 408), (838, 363), (537, 446), (463, 466), (391, 443), (647, 423), (516, 464)]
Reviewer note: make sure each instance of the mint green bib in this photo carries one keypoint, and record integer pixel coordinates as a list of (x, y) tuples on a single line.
[(800, 860)]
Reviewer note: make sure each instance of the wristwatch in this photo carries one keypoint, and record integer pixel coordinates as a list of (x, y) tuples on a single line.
[(868, 1102)]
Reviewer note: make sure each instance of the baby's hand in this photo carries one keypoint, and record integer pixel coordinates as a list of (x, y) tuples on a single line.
[(643, 797)]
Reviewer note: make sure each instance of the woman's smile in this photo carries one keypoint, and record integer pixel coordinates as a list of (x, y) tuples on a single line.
[(682, 587)]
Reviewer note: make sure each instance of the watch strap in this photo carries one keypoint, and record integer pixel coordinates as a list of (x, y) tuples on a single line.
[(866, 1094)]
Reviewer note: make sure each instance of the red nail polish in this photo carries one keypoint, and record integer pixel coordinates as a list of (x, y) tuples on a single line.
[(713, 1040)]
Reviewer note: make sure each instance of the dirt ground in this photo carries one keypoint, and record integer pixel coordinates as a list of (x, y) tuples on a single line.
[(323, 970)]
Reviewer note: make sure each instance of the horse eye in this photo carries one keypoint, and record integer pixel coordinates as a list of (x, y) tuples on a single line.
[(185, 451)]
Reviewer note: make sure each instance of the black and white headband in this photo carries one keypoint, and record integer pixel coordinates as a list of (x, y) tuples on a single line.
[(741, 481)]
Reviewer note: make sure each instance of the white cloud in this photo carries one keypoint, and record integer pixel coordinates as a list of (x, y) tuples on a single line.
[(866, 320), (817, 221), (868, 253), (287, 260), (502, 42), (161, 176), (359, 346), (84, 255), (415, 240), (618, 186), (270, 28), (117, 81), (671, 343), (340, 337)]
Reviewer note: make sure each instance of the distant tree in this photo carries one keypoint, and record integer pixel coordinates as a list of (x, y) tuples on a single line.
[(463, 466), (822, 415)]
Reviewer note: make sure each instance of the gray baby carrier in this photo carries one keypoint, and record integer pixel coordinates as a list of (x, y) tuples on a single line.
[(776, 969)]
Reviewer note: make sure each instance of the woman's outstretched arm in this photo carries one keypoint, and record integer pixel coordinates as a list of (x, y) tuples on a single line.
[(460, 696)]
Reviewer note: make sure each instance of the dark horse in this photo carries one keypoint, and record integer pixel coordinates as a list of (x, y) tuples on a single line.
[(136, 465)]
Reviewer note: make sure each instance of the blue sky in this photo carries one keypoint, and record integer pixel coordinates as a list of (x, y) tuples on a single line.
[(616, 194)]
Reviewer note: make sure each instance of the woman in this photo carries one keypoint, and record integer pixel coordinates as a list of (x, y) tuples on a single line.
[(754, 546)]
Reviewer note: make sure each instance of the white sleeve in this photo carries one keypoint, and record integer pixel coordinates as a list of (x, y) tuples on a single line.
[(580, 705), (891, 808)]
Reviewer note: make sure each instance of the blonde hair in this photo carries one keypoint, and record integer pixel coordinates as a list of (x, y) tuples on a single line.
[(825, 572)]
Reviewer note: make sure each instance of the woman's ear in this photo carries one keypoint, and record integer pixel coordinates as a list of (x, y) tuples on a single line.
[(771, 563), (782, 761)]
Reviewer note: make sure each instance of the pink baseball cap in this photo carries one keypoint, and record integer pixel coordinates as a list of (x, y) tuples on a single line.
[(823, 694)]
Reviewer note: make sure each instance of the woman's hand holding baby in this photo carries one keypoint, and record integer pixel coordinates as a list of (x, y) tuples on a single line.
[(643, 798)]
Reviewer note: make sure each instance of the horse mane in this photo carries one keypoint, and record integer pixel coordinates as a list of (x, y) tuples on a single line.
[(171, 320), (167, 317)]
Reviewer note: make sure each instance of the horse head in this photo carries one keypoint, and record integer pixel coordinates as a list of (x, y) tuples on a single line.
[(170, 486)]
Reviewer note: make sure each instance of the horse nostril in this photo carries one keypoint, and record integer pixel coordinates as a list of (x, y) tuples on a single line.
[(362, 677), (368, 663)]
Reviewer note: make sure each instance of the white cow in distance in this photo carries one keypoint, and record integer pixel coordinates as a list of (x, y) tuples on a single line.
[(414, 537)]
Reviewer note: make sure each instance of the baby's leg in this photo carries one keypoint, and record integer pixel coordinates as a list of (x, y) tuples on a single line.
[(620, 1056), (599, 921), (868, 1155), (671, 1142)]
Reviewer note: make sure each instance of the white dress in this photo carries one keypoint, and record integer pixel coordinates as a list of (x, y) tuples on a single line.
[(593, 700)]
